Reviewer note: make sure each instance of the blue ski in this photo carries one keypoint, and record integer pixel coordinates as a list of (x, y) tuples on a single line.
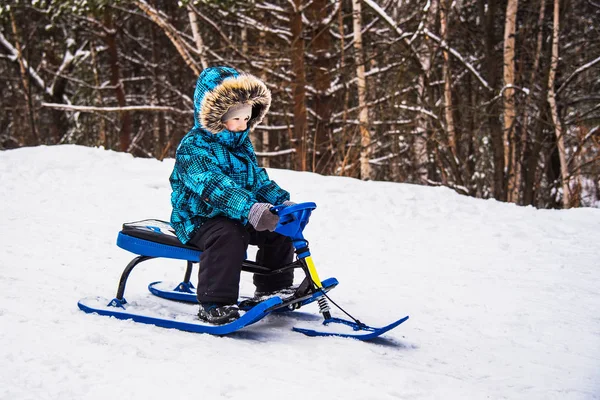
[(349, 329), (122, 310)]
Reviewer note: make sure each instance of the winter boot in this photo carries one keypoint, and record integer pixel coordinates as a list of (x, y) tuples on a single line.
[(218, 314)]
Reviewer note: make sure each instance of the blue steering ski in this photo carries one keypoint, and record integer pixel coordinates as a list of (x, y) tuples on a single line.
[(151, 239)]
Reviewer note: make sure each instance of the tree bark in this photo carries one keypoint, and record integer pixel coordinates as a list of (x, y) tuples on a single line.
[(560, 139), (197, 37), (363, 114), (265, 137), (491, 65), (158, 120), (323, 67), (115, 80), (509, 98), (59, 126), (421, 152), (525, 143), (533, 175), (345, 141), (452, 142), (34, 139), (299, 88), (103, 138)]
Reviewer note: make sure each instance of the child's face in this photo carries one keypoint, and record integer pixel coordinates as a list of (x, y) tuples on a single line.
[(237, 124)]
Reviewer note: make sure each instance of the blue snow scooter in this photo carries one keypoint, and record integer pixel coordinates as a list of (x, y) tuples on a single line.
[(151, 239)]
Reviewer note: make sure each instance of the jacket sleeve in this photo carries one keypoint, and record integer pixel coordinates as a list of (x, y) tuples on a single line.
[(198, 170), (268, 191)]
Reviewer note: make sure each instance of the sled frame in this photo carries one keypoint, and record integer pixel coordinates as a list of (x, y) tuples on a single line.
[(247, 266)]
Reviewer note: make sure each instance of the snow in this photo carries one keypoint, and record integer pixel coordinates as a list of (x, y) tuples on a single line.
[(503, 300)]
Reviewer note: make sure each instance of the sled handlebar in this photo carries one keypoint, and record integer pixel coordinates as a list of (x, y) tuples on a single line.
[(293, 219)]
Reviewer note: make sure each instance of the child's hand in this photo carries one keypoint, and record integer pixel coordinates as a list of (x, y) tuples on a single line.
[(261, 217)]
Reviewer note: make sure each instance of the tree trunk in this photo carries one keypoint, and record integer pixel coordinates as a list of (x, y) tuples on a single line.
[(59, 124), (103, 138), (533, 174), (421, 137), (265, 142), (560, 139), (197, 37), (363, 114), (451, 133), (452, 142), (299, 88), (491, 65), (158, 123), (345, 139), (509, 98), (115, 80), (322, 66), (549, 199), (526, 144), (33, 137)]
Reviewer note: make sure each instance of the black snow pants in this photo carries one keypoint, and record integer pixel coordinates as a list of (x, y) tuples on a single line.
[(224, 242)]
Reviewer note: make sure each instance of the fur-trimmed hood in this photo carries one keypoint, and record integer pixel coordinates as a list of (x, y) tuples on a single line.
[(219, 88)]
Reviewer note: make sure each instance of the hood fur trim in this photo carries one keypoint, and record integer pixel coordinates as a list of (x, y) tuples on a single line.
[(244, 88)]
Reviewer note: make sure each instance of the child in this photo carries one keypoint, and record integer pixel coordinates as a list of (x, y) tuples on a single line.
[(222, 199)]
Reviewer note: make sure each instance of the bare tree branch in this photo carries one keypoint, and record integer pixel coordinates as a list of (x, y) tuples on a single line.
[(458, 56), (171, 33), (14, 57), (68, 107), (576, 72)]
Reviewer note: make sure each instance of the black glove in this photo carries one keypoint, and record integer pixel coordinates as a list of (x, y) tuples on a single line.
[(261, 217)]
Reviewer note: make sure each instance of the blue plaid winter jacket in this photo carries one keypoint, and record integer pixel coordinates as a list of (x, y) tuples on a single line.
[(216, 172)]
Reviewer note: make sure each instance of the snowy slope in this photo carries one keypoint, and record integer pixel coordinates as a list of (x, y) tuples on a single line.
[(504, 301)]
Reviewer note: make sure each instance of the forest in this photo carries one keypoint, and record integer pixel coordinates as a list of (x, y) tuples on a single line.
[(491, 98)]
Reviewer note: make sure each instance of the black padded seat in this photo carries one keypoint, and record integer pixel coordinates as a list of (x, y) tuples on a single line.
[(154, 230)]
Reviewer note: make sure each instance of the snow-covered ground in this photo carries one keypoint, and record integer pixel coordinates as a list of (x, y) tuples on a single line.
[(504, 301)]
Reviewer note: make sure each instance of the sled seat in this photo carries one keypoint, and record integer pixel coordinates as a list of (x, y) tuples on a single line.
[(155, 238)]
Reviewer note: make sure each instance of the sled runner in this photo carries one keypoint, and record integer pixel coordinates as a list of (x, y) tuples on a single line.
[(151, 239), (184, 292)]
